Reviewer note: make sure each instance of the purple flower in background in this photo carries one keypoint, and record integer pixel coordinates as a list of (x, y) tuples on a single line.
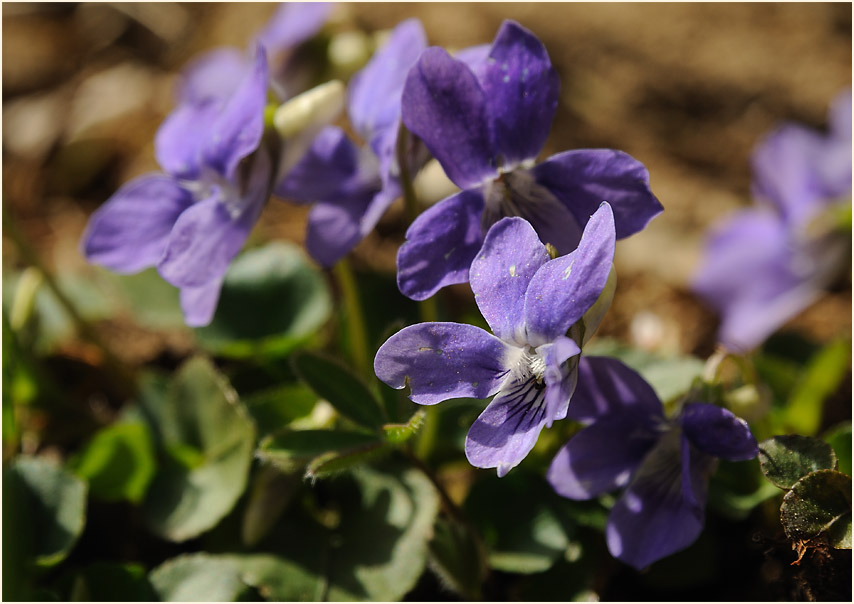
[(353, 186), (531, 303), (766, 264), (192, 220), (485, 117), (664, 464)]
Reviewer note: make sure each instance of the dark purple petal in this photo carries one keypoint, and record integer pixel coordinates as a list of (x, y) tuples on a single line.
[(440, 245), (653, 518), (238, 128), (373, 95), (508, 428), (130, 231), (607, 386), (500, 275), (754, 276), (444, 105), (440, 361), (560, 376), (214, 75), (521, 89), (293, 23), (585, 178), (181, 138), (208, 235), (718, 432), (602, 456), (199, 303), (564, 288)]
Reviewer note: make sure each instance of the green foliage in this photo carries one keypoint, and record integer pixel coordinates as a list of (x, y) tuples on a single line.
[(272, 301), (457, 559), (786, 459), (198, 578), (839, 437), (293, 449), (819, 380), (111, 582), (206, 440), (819, 505), (400, 433), (119, 462), (151, 301), (277, 407), (341, 387)]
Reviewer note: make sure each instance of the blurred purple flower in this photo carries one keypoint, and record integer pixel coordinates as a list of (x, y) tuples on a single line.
[(352, 187), (485, 116), (192, 220), (531, 303), (663, 463), (766, 264)]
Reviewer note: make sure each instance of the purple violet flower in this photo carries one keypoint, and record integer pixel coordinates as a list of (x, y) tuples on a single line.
[(192, 220), (352, 187), (664, 464), (531, 303), (766, 264), (485, 117)]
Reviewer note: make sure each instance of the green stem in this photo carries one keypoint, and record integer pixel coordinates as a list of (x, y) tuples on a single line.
[(355, 317), (118, 372)]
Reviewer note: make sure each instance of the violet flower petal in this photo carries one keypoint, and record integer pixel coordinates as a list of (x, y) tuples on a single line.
[(208, 235), (199, 303), (238, 128), (445, 106), (560, 376), (373, 95), (606, 386), (653, 519), (214, 75), (130, 231), (602, 456), (507, 430), (441, 361), (564, 288), (718, 432), (440, 245), (181, 138), (293, 23), (521, 89), (500, 275), (584, 178)]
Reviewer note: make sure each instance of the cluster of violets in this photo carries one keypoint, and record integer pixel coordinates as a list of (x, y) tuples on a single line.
[(535, 241)]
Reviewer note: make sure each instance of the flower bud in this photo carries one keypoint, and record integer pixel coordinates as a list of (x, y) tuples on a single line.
[(316, 107)]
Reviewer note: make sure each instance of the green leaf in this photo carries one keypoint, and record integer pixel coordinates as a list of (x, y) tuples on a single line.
[(198, 578), (819, 504), (341, 387), (153, 302), (46, 510), (332, 463), (111, 582), (457, 560), (269, 495), (207, 439), (272, 301), (400, 433), (274, 409), (820, 379), (786, 459), (119, 462), (523, 534), (291, 450), (839, 437)]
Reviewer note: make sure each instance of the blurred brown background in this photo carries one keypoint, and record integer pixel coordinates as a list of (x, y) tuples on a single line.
[(688, 89)]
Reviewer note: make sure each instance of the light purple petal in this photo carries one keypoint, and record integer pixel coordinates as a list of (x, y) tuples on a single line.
[(182, 136), (214, 75), (293, 23), (653, 519), (238, 128), (440, 245), (755, 277), (208, 235), (500, 275), (564, 288), (561, 376), (475, 57), (445, 106), (608, 386), (373, 95), (521, 89), (602, 456), (508, 428), (441, 361), (199, 303), (130, 231), (584, 178), (718, 432)]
